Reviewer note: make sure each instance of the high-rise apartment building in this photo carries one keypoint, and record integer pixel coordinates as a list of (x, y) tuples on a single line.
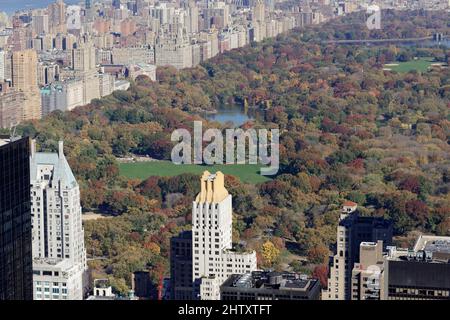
[(367, 274), (192, 17), (57, 16), (11, 105), (217, 14), (213, 258), (173, 50), (64, 96), (59, 256), (259, 12), (352, 230), (83, 58), (24, 77), (420, 273), (15, 220), (40, 22), (84, 65), (181, 267)]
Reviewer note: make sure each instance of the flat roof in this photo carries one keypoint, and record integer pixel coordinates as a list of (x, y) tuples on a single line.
[(435, 244), (261, 280)]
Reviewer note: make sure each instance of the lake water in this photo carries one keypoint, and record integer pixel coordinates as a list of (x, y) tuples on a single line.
[(11, 6), (235, 116)]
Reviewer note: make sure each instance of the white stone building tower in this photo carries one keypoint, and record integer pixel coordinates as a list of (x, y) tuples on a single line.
[(59, 255), (213, 258)]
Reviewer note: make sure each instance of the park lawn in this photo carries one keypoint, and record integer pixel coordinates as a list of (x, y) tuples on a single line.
[(421, 64), (247, 173)]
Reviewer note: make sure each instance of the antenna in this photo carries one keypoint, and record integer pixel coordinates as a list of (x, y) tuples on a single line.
[(13, 136)]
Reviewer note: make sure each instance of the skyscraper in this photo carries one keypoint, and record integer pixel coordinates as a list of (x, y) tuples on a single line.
[(192, 17), (40, 22), (89, 10), (181, 267), (24, 76), (15, 220), (352, 230), (57, 16), (84, 65), (11, 104), (259, 12), (116, 4), (213, 258), (59, 256), (83, 57)]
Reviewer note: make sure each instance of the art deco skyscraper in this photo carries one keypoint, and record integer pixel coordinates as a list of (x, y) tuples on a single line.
[(213, 259), (15, 220), (59, 256)]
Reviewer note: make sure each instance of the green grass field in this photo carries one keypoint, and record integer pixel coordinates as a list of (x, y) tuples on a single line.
[(247, 173), (420, 64)]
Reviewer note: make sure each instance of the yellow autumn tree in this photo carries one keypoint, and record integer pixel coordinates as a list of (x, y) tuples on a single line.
[(269, 252)]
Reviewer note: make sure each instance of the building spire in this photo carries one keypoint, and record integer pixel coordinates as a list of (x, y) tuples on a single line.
[(61, 149)]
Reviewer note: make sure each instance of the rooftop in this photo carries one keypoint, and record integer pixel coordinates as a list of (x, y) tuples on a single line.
[(61, 168), (427, 249), (261, 280), (433, 244), (349, 204), (5, 139)]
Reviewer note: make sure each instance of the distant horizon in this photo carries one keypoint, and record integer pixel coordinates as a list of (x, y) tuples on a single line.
[(11, 6)]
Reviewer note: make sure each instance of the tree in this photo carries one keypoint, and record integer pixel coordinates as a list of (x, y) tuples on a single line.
[(321, 273), (318, 254), (270, 253)]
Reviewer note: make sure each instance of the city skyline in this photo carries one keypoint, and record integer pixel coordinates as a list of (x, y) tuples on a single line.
[(124, 172)]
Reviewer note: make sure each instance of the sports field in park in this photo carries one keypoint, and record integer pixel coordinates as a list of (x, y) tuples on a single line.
[(247, 173), (420, 64)]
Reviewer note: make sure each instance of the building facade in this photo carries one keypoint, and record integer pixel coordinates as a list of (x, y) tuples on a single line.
[(181, 267), (16, 278), (24, 78), (368, 273), (422, 273), (133, 55), (173, 51), (64, 96), (59, 256), (11, 105), (352, 230), (213, 258)]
